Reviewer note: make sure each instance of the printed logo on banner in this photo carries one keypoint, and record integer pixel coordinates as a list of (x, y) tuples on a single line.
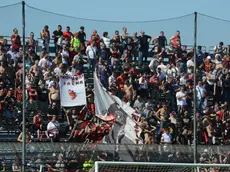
[(72, 94), (72, 91)]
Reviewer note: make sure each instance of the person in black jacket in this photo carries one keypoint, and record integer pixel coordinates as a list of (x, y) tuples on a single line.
[(144, 47)]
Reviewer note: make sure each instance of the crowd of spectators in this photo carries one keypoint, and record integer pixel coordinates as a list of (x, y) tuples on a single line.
[(160, 89)]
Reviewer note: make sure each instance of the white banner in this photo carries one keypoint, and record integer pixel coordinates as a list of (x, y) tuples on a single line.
[(72, 91), (125, 129)]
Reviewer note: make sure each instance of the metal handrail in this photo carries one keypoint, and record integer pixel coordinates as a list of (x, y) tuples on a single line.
[(52, 43)]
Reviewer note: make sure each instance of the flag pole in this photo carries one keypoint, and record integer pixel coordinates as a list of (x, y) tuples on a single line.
[(194, 94), (23, 92)]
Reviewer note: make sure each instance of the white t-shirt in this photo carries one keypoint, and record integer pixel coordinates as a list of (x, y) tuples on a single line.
[(69, 73), (183, 81), (91, 51), (166, 138), (65, 56), (41, 62), (190, 63), (163, 68), (181, 101), (52, 125), (106, 42), (112, 80), (209, 77), (143, 83), (200, 92), (57, 71)]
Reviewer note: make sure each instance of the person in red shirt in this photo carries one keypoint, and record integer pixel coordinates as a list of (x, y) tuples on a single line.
[(120, 81), (18, 93), (16, 40), (176, 39), (37, 123), (67, 35), (32, 98), (94, 37), (78, 73)]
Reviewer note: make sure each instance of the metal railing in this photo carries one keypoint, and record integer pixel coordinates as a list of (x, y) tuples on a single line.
[(52, 49)]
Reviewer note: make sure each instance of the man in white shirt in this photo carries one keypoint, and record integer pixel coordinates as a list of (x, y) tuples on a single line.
[(190, 63), (166, 137), (181, 100), (43, 60), (91, 52), (112, 80), (58, 69), (53, 129), (183, 79), (65, 55), (162, 67), (200, 92)]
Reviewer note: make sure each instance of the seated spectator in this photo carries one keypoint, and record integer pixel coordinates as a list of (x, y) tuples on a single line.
[(53, 129), (16, 166), (60, 164), (28, 137), (37, 123), (166, 137)]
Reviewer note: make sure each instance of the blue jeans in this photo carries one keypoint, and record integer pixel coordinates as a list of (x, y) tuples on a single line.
[(57, 48), (92, 63), (199, 104), (142, 54), (183, 67)]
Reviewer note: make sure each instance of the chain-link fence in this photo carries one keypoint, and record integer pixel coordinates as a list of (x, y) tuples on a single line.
[(44, 153)]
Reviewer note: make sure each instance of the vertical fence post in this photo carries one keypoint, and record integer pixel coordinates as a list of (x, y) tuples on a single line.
[(23, 89), (194, 94)]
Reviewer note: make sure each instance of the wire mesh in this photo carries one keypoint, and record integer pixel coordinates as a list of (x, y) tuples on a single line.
[(211, 30), (40, 18)]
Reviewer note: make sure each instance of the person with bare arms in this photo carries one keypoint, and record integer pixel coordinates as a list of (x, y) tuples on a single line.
[(19, 76), (54, 94), (3, 71), (36, 72)]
